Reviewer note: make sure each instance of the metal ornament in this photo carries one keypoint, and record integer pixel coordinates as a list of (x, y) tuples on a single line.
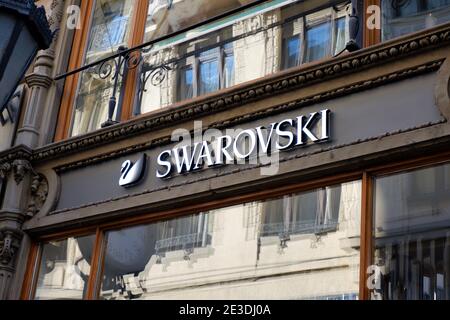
[(132, 173)]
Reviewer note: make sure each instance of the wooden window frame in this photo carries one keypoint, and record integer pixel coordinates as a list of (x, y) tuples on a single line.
[(76, 59), (370, 37)]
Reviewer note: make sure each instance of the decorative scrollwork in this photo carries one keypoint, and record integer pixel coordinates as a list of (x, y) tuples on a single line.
[(158, 75), (106, 68), (133, 60)]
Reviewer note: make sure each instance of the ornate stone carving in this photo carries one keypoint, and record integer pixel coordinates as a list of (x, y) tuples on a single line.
[(5, 168), (38, 195), (9, 245), (21, 168), (8, 158)]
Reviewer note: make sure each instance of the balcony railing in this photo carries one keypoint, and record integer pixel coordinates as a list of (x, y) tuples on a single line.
[(284, 230)]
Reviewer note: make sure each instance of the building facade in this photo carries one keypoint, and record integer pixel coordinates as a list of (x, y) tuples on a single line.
[(233, 149)]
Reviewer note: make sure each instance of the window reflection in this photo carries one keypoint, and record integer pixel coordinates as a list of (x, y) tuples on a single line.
[(401, 17), (252, 44), (64, 269), (311, 212), (318, 42), (412, 230), (109, 30), (202, 256)]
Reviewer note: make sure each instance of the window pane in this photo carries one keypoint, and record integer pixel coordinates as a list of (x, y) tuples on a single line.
[(209, 76), (318, 42), (186, 89), (403, 17), (228, 254), (412, 235), (110, 29), (292, 52), (64, 269), (340, 36), (242, 47)]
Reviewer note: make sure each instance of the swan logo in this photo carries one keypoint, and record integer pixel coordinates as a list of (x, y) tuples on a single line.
[(132, 173)]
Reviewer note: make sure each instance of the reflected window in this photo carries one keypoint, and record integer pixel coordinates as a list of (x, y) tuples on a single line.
[(315, 36), (64, 269), (242, 47), (292, 58), (208, 71), (110, 29), (401, 17), (318, 42), (186, 84), (222, 253), (412, 235), (312, 212)]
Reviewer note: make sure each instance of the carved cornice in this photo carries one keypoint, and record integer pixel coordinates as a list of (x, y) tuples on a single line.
[(273, 110), (8, 157), (295, 79), (38, 80)]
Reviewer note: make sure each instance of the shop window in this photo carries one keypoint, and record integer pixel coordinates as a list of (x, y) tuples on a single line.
[(220, 253), (412, 235), (110, 29), (64, 269), (215, 254), (239, 47), (155, 244), (401, 17)]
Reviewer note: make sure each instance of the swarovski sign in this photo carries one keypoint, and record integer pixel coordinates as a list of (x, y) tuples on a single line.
[(234, 148)]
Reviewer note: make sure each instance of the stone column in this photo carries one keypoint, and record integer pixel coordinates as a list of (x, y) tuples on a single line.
[(39, 82), (15, 166)]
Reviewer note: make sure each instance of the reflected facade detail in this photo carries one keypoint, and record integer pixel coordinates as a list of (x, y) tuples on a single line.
[(412, 235), (64, 269), (300, 246)]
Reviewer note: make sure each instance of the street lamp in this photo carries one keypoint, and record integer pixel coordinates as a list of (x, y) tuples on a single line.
[(24, 30)]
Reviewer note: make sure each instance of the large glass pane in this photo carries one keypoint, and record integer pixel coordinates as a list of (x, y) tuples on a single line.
[(248, 45), (406, 16), (311, 251), (412, 235), (64, 269), (110, 29), (318, 42)]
